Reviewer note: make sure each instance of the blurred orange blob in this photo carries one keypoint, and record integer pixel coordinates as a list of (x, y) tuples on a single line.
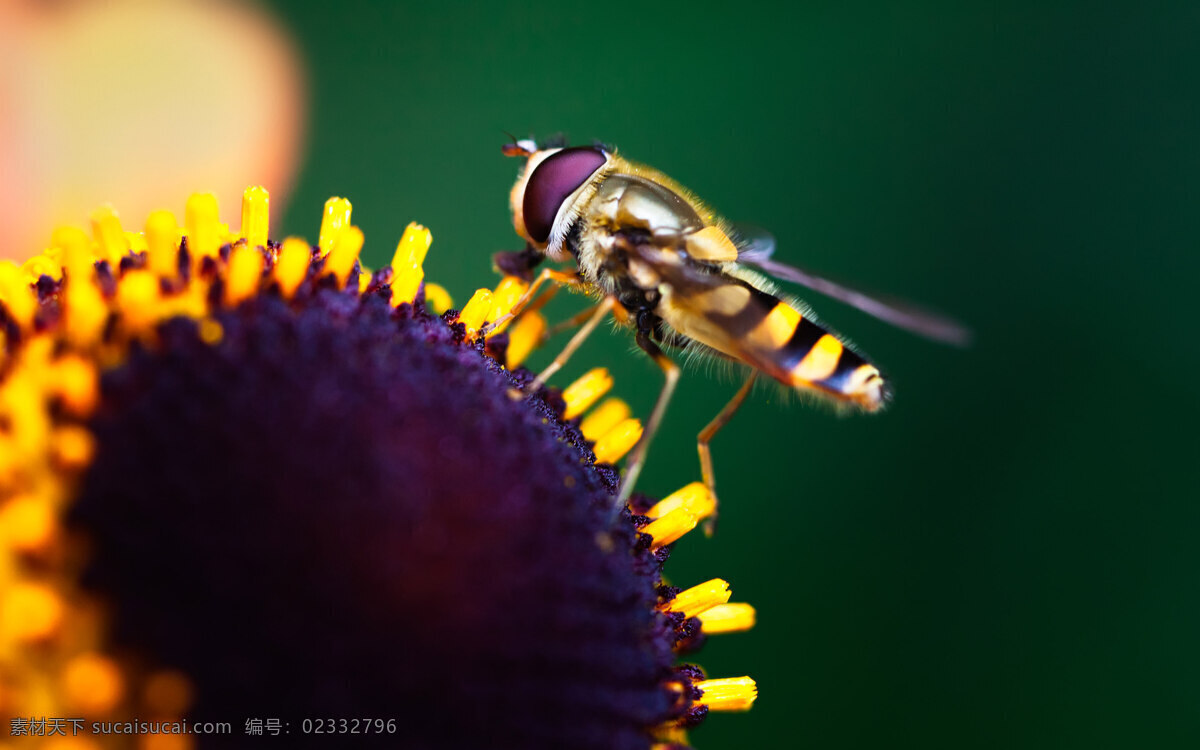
[(137, 103)]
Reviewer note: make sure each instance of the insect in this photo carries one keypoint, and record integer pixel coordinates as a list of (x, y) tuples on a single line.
[(638, 241)]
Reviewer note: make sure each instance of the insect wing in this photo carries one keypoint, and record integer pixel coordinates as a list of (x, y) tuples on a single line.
[(755, 244), (757, 251)]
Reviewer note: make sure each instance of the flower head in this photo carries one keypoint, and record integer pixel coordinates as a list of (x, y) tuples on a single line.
[(245, 479)]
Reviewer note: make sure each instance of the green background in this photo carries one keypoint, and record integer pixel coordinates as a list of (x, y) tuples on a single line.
[(1008, 556)]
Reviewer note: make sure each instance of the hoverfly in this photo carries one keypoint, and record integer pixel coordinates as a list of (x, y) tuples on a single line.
[(639, 242)]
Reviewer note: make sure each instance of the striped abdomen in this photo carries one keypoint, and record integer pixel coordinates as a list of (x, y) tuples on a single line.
[(761, 330)]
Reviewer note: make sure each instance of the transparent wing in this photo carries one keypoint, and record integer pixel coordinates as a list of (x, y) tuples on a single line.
[(758, 246), (755, 244)]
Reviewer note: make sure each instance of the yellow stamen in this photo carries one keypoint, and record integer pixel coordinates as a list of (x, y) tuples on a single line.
[(73, 446), (16, 294), (695, 497), (162, 244), (86, 312), (168, 693), (475, 312), (618, 441), (603, 418), (76, 252), (670, 527), (92, 684), (524, 336), (412, 248), (203, 223), (136, 240), (106, 228), (727, 618), (256, 215), (245, 273), (669, 736), (211, 331), (344, 253), (39, 266), (364, 279), (406, 280), (291, 267), (727, 693), (27, 523), (29, 612), (508, 291), (76, 382), (336, 219), (437, 299), (138, 296), (586, 391), (693, 601), (28, 421)]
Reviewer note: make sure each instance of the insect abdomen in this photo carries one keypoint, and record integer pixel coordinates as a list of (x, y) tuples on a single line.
[(767, 333), (812, 357)]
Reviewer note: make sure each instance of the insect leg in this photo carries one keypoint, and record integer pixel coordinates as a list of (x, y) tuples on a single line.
[(706, 435), (575, 320), (638, 458), (548, 274), (597, 314)]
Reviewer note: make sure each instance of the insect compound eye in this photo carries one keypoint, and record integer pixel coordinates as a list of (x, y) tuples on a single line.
[(552, 182)]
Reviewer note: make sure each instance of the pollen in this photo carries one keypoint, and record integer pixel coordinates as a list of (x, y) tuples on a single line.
[(39, 266), (73, 446), (474, 313), (16, 294), (27, 523), (733, 617), (256, 214), (437, 299), (86, 315), (86, 311), (507, 293), (586, 391), (292, 266), (245, 271), (75, 381), (138, 300), (202, 222), (670, 528), (106, 228), (162, 244), (211, 331), (74, 247), (92, 684), (406, 282), (603, 418), (701, 597), (168, 692), (695, 497), (335, 219), (727, 694), (412, 247), (344, 253), (29, 612), (525, 336), (618, 441)]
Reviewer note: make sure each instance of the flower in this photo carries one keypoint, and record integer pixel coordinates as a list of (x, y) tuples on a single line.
[(252, 481)]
